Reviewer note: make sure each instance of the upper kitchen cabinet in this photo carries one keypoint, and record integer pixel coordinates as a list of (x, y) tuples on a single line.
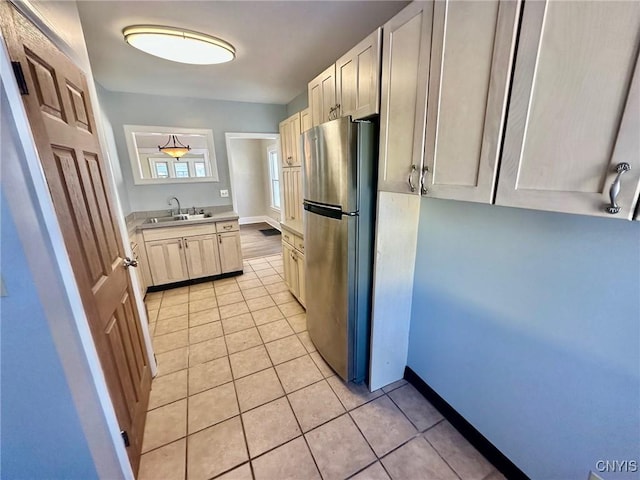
[(572, 131), (472, 51), (405, 70), (357, 79), (305, 120), (350, 86), (322, 96), (290, 141)]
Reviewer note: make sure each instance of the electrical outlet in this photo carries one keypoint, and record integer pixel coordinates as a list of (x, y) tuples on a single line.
[(224, 193)]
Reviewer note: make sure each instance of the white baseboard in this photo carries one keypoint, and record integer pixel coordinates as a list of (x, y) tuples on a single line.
[(259, 219)]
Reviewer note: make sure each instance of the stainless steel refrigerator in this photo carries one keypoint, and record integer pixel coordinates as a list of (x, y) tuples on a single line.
[(339, 201)]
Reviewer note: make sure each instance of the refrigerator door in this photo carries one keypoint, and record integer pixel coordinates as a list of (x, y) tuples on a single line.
[(329, 257), (330, 164)]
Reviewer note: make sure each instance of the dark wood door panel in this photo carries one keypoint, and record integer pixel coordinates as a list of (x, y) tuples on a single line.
[(59, 110)]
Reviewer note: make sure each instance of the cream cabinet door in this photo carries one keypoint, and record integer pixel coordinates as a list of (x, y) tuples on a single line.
[(405, 70), (201, 252), (292, 181), (322, 96), (574, 114), (357, 78), (305, 120), (300, 266), (290, 268), (285, 141), (166, 261), (473, 44), (290, 140), (230, 252), (294, 140)]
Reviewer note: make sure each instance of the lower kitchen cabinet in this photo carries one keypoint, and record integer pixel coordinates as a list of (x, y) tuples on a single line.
[(175, 254), (202, 256), (293, 265), (230, 251), (166, 261)]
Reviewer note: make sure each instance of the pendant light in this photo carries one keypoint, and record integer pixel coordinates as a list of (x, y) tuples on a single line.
[(176, 149), (179, 45)]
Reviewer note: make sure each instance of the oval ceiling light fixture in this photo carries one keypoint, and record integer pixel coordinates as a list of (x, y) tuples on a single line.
[(179, 45)]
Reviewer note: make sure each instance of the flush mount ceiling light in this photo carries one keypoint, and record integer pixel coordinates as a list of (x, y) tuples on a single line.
[(176, 149), (179, 45)]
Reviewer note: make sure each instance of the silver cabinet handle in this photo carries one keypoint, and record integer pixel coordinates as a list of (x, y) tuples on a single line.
[(423, 186), (411, 185), (615, 188), (128, 262)]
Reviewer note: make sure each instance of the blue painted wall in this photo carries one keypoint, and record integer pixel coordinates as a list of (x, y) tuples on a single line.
[(40, 432), (528, 324), (220, 116)]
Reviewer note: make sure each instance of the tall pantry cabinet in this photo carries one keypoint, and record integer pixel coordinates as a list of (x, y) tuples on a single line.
[(291, 168)]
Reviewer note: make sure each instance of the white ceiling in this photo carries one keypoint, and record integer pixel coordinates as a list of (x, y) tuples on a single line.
[(280, 45)]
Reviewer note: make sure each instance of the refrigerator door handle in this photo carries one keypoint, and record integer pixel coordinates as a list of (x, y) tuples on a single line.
[(324, 210)]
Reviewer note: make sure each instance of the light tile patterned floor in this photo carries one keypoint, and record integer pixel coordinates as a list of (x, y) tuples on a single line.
[(241, 393)]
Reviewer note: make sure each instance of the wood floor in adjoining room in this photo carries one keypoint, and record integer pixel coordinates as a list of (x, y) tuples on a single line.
[(255, 244)]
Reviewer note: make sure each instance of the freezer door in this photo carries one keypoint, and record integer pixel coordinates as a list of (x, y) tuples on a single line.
[(329, 257), (330, 164)]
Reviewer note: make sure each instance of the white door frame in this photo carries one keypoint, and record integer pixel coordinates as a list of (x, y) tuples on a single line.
[(228, 136)]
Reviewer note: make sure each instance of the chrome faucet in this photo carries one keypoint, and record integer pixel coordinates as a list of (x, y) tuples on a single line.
[(178, 202)]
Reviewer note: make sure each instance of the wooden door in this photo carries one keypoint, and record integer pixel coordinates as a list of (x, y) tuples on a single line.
[(230, 252), (473, 45), (63, 125), (405, 71), (574, 113), (201, 252), (357, 78), (166, 261)]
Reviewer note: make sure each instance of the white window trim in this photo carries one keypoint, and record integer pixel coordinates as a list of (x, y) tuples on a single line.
[(271, 150)]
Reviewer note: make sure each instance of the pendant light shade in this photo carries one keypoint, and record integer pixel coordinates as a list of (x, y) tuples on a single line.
[(179, 45), (174, 148)]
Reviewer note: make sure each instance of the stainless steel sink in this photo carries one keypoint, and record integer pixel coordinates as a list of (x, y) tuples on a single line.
[(177, 218)]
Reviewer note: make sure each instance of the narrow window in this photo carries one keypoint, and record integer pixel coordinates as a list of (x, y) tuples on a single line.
[(274, 177)]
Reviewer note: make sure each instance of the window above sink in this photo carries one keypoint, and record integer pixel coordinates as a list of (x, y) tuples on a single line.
[(151, 166)]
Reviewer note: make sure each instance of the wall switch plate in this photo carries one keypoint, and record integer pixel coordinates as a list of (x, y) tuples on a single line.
[(224, 193)]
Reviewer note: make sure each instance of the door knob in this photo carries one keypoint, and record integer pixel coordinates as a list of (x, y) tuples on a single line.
[(128, 262)]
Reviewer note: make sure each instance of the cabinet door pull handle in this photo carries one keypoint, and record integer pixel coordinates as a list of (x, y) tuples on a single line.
[(411, 185), (219, 239), (180, 244), (615, 188), (186, 243), (423, 186)]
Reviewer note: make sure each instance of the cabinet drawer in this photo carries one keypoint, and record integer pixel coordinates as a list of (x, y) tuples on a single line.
[(299, 243), (288, 237), (178, 231), (229, 226)]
